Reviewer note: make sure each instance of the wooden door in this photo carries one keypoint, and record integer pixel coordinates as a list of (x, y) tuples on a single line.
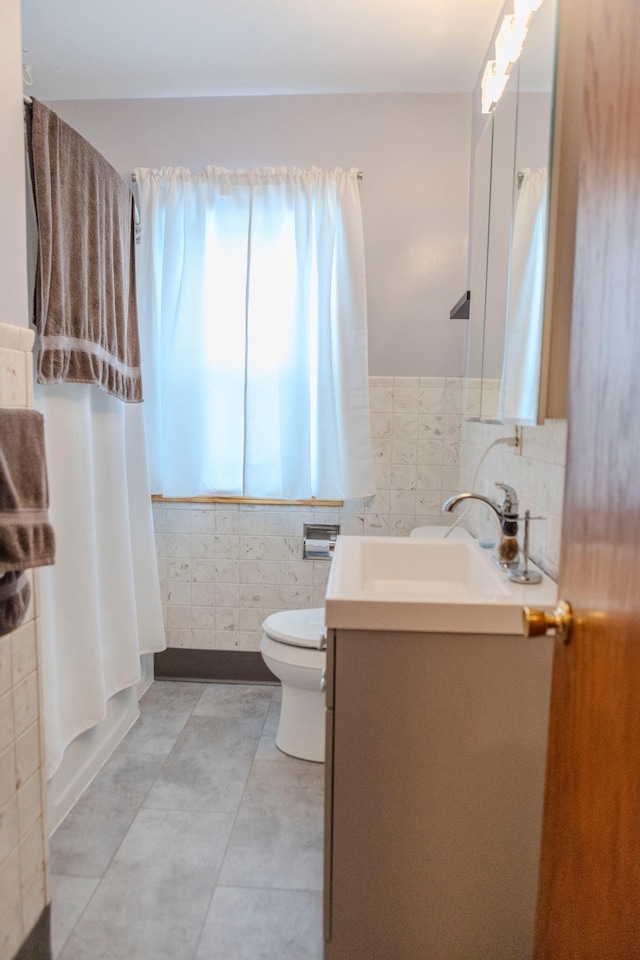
[(589, 887)]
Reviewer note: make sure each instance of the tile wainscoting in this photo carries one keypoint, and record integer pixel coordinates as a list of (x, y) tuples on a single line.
[(536, 470), (23, 887), (224, 568)]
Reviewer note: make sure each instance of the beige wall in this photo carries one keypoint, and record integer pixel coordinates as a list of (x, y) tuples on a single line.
[(13, 264), (22, 848), (413, 150), (23, 891)]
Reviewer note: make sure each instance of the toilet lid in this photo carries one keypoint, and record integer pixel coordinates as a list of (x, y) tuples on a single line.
[(300, 628)]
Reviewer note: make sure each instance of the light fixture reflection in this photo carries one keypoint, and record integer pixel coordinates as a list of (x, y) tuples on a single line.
[(508, 47), (523, 10)]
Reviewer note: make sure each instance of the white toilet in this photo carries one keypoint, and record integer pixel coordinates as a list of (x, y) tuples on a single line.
[(291, 647)]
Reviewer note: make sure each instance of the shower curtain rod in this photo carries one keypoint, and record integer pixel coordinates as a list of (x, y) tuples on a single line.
[(359, 175)]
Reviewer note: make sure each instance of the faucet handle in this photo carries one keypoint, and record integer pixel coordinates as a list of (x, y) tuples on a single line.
[(523, 574), (510, 500)]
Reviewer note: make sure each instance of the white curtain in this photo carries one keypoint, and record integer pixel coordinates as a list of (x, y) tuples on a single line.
[(100, 605), (523, 344), (252, 309)]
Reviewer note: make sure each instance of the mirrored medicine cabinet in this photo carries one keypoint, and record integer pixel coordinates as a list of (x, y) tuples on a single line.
[(516, 364)]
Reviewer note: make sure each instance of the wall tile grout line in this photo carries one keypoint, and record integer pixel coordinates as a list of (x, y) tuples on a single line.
[(22, 841)]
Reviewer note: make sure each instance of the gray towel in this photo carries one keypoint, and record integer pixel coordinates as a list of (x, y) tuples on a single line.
[(15, 594), (26, 537), (85, 304)]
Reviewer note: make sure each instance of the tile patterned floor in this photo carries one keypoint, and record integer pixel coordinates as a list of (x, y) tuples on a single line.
[(198, 840)]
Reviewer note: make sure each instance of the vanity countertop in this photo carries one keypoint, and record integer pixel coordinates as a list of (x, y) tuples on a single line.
[(433, 586)]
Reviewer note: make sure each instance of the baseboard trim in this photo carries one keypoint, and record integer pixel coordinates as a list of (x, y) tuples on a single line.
[(37, 946), (223, 666)]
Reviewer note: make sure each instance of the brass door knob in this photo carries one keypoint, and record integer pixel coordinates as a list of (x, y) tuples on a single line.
[(536, 623)]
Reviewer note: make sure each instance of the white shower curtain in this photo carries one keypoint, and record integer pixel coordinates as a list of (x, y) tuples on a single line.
[(100, 605), (523, 343)]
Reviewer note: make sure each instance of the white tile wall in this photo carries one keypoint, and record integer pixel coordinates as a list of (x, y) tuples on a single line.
[(224, 568), (536, 470), (481, 398), (23, 892), (16, 378)]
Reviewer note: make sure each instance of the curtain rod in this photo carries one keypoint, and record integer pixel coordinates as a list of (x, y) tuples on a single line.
[(27, 100), (359, 175)]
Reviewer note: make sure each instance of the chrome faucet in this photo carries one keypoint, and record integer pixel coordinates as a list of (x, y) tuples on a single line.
[(507, 513)]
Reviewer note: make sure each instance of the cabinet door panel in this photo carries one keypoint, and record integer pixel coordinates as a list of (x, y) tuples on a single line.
[(437, 772), (328, 826)]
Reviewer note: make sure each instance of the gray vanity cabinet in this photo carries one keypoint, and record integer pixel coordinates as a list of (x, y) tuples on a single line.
[(434, 784)]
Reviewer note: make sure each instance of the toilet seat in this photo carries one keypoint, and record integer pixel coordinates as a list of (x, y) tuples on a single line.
[(287, 654), (297, 628), (292, 646)]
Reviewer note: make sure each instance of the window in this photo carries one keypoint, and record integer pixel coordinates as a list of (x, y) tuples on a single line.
[(252, 307)]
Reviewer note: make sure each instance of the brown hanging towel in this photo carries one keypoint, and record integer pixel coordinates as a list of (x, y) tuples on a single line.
[(85, 303), (26, 536)]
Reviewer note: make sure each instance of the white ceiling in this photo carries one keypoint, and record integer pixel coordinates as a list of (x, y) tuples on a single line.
[(185, 48)]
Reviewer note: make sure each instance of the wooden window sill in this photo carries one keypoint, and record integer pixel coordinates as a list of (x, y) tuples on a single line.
[(251, 501)]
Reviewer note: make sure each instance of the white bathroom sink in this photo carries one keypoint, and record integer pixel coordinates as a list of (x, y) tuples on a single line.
[(446, 586), (427, 570)]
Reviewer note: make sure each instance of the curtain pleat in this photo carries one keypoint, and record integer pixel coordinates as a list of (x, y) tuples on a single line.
[(519, 387), (252, 307), (100, 605)]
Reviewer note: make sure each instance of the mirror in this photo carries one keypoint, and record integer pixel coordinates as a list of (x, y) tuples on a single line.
[(504, 131), (478, 279), (509, 238)]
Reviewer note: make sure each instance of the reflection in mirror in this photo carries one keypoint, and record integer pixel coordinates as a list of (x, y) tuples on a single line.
[(512, 245), (478, 277), (500, 220), (523, 339)]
